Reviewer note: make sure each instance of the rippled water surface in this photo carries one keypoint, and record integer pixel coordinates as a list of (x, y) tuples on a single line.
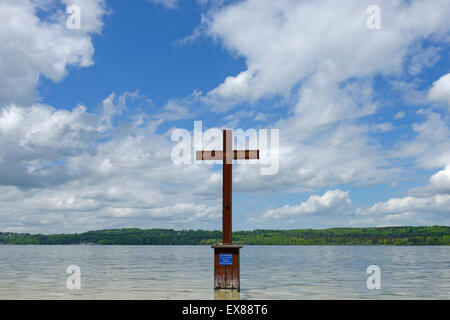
[(186, 272)]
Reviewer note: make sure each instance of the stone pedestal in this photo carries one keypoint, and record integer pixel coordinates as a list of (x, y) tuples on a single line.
[(226, 267)]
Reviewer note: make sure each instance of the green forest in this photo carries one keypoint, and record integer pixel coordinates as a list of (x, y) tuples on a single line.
[(435, 235)]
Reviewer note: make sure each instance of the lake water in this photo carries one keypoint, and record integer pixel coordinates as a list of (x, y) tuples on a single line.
[(186, 272)]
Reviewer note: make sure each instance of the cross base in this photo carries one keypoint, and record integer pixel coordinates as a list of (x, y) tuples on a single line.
[(226, 267)]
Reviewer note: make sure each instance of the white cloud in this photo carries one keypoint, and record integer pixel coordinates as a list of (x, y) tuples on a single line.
[(399, 115), (428, 205), (32, 47), (72, 170), (425, 206), (169, 4), (232, 120), (410, 210), (92, 12), (437, 203), (32, 139), (331, 202), (286, 41), (440, 91), (177, 109), (441, 180), (425, 57), (321, 56), (430, 144), (382, 127)]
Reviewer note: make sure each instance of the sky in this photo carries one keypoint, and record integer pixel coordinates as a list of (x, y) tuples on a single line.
[(359, 91)]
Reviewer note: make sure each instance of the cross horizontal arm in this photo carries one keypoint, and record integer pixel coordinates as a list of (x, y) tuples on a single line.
[(218, 154), (246, 154), (209, 155)]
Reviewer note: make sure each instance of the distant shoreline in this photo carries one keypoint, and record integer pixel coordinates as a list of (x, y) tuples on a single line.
[(405, 236)]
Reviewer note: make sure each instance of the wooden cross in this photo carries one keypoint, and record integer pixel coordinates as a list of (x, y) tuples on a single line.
[(227, 155)]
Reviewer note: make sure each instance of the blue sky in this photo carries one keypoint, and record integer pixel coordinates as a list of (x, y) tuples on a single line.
[(86, 115), (138, 50)]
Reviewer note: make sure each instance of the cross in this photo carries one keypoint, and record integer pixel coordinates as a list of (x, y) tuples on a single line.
[(227, 155)]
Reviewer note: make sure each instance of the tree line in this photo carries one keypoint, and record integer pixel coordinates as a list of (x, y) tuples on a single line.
[(434, 235)]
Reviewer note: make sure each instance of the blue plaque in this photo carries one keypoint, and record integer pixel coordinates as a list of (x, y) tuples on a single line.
[(225, 259)]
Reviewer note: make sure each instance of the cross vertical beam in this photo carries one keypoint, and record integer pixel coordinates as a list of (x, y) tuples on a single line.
[(228, 155)]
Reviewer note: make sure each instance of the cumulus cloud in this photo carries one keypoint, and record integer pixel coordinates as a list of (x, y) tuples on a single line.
[(410, 210), (429, 145), (441, 180), (423, 206), (440, 91), (33, 47), (77, 170), (34, 139), (437, 203), (92, 12), (321, 58), (331, 202), (322, 144), (286, 41), (439, 183), (74, 169)]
